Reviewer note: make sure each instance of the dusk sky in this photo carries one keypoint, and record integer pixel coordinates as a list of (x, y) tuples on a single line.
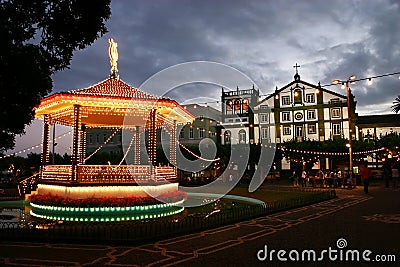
[(263, 39)]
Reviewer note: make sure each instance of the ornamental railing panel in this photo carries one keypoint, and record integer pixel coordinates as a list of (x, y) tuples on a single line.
[(165, 172), (113, 173), (60, 173)]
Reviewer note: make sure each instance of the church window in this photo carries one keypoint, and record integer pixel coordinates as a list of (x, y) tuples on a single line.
[(311, 114), (285, 116), (312, 129), (310, 98), (285, 100), (286, 130), (297, 96), (298, 116), (336, 129)]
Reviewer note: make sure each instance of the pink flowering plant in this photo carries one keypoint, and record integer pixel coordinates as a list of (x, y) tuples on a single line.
[(59, 201)]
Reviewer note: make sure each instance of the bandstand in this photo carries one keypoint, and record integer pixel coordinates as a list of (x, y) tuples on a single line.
[(110, 104)]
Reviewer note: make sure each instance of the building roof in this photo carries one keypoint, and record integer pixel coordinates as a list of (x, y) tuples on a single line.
[(110, 103), (112, 87), (298, 81), (203, 111), (385, 120)]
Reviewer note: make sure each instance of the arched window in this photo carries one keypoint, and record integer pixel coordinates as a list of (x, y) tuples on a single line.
[(242, 137), (227, 137), (245, 104), (297, 96), (229, 105), (237, 106)]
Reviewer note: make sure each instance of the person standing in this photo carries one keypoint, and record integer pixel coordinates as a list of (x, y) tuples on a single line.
[(304, 179), (395, 174), (366, 175), (387, 173)]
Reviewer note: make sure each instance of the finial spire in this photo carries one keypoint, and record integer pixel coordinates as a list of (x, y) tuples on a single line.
[(113, 53), (296, 76), (296, 66)]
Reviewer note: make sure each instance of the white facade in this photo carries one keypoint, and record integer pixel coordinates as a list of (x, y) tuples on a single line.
[(305, 111)]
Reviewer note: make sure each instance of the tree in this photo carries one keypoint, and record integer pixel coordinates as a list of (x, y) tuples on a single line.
[(38, 38), (396, 104)]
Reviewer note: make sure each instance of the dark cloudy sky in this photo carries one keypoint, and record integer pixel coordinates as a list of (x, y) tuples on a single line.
[(262, 39)]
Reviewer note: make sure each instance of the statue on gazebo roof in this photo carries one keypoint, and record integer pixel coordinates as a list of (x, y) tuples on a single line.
[(113, 53)]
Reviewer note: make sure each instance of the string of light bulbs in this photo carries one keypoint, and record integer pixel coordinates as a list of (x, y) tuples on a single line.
[(127, 150), (33, 147), (197, 156), (101, 146), (331, 153)]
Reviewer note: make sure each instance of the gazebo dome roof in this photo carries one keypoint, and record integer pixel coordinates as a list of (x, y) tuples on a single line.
[(109, 103), (113, 87)]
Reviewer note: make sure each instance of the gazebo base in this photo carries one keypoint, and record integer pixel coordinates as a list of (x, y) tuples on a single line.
[(106, 203), (105, 214), (82, 191)]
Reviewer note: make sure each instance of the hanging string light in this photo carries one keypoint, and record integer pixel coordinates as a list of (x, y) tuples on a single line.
[(330, 153), (101, 146), (197, 156), (33, 147), (127, 150)]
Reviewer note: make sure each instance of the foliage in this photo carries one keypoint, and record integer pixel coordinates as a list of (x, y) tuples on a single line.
[(396, 104), (38, 38), (59, 201), (26, 166)]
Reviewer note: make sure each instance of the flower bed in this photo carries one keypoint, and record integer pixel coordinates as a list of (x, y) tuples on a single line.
[(59, 201)]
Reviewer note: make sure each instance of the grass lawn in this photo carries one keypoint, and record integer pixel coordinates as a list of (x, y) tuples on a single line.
[(13, 203), (267, 195)]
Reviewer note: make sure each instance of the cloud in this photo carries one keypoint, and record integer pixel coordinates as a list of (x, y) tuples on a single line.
[(263, 39)]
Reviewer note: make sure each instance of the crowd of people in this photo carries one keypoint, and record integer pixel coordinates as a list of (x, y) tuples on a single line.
[(344, 178), (325, 178)]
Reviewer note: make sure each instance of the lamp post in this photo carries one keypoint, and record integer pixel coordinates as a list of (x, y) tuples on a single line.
[(345, 85)]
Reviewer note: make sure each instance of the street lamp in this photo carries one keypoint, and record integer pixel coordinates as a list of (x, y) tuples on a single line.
[(345, 85)]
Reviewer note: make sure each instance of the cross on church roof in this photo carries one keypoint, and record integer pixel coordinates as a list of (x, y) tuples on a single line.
[(296, 76), (296, 66)]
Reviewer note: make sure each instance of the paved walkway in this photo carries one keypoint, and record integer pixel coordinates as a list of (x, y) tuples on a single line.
[(362, 221)]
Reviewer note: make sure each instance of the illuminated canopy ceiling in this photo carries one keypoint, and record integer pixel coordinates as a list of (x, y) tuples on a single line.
[(111, 103)]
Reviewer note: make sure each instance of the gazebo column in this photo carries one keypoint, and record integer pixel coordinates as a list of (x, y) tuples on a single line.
[(152, 140), (172, 144), (76, 136), (46, 141), (82, 144), (136, 159)]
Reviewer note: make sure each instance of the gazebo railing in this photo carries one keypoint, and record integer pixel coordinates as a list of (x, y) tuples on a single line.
[(165, 172), (59, 173), (113, 173), (107, 173)]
